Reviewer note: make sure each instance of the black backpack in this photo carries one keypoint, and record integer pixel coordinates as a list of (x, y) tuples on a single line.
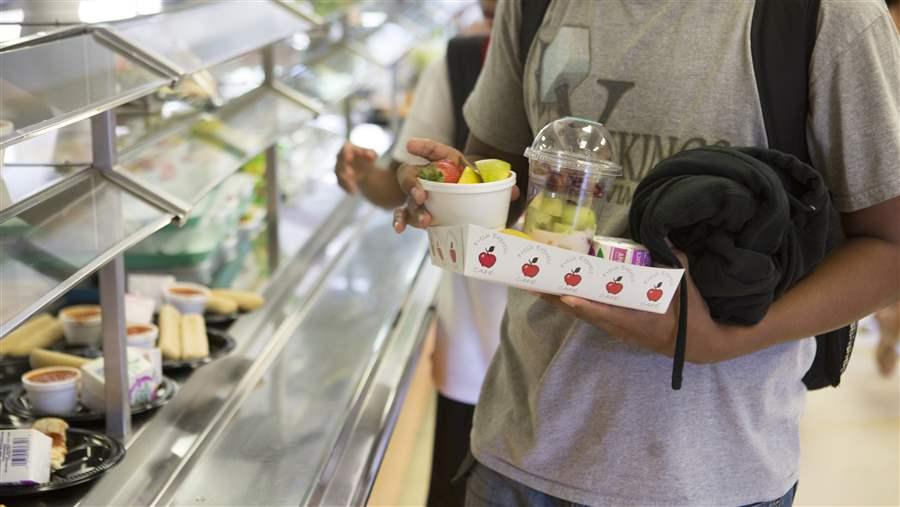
[(782, 37)]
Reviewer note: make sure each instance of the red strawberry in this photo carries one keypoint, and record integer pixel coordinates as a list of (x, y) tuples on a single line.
[(445, 171)]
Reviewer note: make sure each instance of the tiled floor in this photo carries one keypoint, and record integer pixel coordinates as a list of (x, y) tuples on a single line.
[(850, 441), (851, 436)]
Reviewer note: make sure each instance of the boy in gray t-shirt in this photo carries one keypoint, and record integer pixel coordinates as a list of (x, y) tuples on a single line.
[(576, 404)]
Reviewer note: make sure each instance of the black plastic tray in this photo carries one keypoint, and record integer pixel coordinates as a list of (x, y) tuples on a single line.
[(220, 320), (16, 403), (90, 455), (220, 344), (12, 368)]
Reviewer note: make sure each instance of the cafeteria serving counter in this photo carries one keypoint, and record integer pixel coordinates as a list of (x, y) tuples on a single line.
[(301, 411)]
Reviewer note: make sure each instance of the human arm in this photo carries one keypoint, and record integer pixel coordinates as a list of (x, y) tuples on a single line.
[(844, 288), (854, 138), (357, 172), (414, 214), (495, 114), (430, 115)]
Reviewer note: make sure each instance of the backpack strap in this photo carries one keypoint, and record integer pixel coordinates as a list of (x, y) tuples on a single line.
[(782, 37), (533, 12), (464, 62)]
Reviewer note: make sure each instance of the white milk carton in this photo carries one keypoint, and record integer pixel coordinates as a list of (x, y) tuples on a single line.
[(24, 457)]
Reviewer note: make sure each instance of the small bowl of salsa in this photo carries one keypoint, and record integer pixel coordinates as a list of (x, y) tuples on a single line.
[(142, 335), (187, 297), (53, 390), (82, 325)]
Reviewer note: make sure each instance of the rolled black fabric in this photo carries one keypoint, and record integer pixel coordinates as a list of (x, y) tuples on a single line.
[(752, 222)]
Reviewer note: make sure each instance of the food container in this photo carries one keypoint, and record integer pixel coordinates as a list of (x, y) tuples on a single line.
[(141, 335), (24, 457), (571, 169), (82, 325), (482, 204), (187, 297), (621, 250), (53, 390), (142, 381), (511, 258)]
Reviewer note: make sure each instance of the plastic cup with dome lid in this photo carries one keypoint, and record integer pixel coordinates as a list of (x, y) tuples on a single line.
[(571, 169)]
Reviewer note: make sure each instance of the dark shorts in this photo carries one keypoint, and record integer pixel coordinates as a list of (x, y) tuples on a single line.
[(487, 488)]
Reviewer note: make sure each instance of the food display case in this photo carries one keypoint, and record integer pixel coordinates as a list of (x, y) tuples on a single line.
[(189, 132)]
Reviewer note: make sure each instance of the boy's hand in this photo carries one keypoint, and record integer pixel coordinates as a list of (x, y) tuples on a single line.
[(414, 213), (353, 165), (707, 340)]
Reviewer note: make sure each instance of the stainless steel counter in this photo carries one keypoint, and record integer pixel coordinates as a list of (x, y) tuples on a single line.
[(301, 411)]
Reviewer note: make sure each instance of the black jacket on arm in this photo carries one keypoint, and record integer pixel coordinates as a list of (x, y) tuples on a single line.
[(752, 222)]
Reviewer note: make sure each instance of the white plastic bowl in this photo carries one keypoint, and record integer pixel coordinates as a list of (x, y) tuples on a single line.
[(483, 204), (141, 335), (52, 396), (82, 325), (187, 297)]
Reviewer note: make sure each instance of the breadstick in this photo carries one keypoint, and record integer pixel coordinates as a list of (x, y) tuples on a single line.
[(246, 300), (194, 342), (170, 332)]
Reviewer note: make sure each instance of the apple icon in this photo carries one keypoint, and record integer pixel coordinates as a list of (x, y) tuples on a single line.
[(655, 293), (615, 287), (530, 269), (572, 279), (487, 258)]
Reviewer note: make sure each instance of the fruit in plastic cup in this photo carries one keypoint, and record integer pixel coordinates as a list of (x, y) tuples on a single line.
[(52, 390), (483, 204), (570, 172)]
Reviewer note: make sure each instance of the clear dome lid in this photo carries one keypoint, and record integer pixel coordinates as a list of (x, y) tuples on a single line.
[(577, 144)]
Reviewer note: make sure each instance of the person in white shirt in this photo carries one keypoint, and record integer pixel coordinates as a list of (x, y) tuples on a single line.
[(468, 311)]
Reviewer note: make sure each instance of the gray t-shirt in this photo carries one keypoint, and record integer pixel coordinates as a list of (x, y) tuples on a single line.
[(566, 409)]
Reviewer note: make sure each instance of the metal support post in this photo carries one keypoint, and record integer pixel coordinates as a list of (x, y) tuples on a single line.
[(115, 367), (272, 193), (273, 199), (112, 297)]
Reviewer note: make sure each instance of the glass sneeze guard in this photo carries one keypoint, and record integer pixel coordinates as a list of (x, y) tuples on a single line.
[(191, 161), (48, 247), (78, 76), (212, 32)]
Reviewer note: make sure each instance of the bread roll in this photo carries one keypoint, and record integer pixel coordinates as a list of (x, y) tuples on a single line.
[(56, 430), (246, 300), (170, 332), (221, 305), (43, 357), (194, 343), (39, 332)]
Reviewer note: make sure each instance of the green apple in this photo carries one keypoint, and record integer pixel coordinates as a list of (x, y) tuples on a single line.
[(553, 205), (535, 219), (492, 169), (580, 218)]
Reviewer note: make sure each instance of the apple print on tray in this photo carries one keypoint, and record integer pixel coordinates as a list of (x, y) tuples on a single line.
[(615, 286), (655, 293), (572, 278), (531, 269), (487, 259)]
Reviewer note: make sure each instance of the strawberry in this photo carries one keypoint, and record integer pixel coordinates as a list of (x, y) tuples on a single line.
[(442, 171)]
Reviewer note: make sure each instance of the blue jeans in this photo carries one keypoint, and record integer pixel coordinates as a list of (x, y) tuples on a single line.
[(487, 488)]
